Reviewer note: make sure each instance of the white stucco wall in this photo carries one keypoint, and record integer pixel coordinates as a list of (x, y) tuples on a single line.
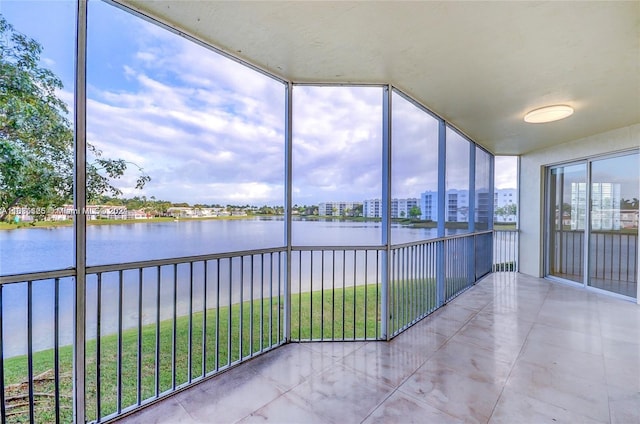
[(532, 186)]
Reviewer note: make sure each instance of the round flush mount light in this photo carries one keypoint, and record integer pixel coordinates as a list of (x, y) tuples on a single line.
[(548, 114)]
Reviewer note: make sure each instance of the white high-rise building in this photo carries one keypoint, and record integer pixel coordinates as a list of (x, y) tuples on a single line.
[(456, 208), (457, 205), (372, 208), (605, 202), (337, 208), (501, 199), (400, 208)]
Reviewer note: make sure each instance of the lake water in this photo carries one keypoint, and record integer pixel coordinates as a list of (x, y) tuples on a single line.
[(41, 249)]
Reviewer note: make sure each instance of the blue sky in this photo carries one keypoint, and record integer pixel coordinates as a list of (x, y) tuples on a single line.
[(208, 130)]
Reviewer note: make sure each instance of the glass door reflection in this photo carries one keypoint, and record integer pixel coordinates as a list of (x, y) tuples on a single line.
[(613, 238), (567, 221)]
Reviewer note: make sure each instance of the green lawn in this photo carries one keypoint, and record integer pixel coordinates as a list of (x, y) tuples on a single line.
[(316, 315)]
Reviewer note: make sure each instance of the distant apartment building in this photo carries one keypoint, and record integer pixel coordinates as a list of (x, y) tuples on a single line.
[(198, 212), (372, 208), (400, 208), (457, 205), (137, 214), (337, 208), (501, 199), (605, 207)]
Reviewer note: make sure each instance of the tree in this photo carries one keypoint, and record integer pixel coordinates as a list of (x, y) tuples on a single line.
[(509, 210), (415, 212), (629, 204), (36, 138)]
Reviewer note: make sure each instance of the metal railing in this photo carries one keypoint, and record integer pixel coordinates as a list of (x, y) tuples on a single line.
[(457, 257), (169, 324), (335, 293), (418, 286), (412, 284), (505, 251), (613, 255), (36, 319), (152, 328), (155, 327)]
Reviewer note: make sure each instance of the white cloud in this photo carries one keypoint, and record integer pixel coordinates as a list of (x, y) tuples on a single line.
[(203, 127), (337, 143), (415, 150), (506, 172), (48, 62), (208, 130)]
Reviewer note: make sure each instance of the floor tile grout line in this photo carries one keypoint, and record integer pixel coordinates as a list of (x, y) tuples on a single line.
[(604, 362), (515, 362), (334, 361), (402, 382)]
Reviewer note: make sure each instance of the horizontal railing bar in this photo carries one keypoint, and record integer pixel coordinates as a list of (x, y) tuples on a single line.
[(439, 239), (417, 243), (393, 246), (337, 248), (37, 276), (180, 260)]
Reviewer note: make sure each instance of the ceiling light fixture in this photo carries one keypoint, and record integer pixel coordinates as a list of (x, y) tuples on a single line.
[(548, 114)]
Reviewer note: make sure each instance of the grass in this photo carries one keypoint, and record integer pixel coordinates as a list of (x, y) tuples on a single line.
[(502, 226), (338, 314)]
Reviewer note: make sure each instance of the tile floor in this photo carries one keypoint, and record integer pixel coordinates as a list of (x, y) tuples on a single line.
[(513, 349)]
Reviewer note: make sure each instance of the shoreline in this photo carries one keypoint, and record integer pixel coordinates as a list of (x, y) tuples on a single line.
[(68, 223)]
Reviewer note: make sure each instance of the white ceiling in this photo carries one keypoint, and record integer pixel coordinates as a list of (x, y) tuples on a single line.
[(479, 65)]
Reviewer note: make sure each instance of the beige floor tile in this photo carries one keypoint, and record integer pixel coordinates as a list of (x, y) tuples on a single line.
[(291, 364), (565, 390), (285, 410), (470, 361), (622, 374), (567, 339), (624, 406), (401, 408), (514, 407), (230, 397), (340, 394), (167, 411), (564, 361), (336, 350), (469, 400), (385, 362)]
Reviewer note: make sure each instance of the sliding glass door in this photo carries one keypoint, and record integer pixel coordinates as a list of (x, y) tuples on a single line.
[(567, 212), (592, 222), (613, 240)]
